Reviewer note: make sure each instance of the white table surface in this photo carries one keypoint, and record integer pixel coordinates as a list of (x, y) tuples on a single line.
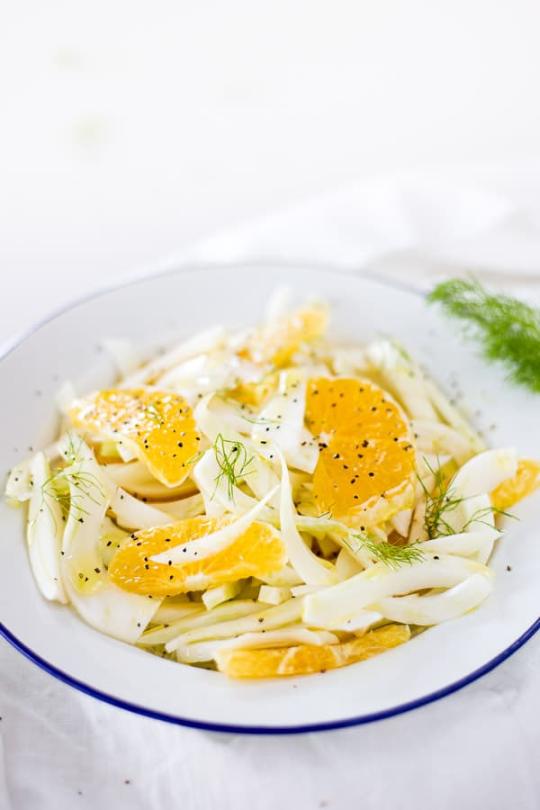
[(130, 130)]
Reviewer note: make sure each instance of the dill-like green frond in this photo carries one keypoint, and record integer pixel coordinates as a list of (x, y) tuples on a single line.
[(69, 486), (442, 500), (233, 461), (387, 553), (508, 329)]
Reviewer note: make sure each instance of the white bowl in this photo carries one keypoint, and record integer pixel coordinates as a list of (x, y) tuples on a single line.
[(429, 667)]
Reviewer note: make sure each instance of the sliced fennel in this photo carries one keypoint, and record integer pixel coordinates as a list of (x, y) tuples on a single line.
[(200, 343), (44, 532), (442, 607), (183, 508), (281, 424), (99, 602), (340, 602), (134, 514), (273, 595), (287, 637), (268, 619), (219, 495), (401, 375), (200, 618), (471, 485), (313, 570), (221, 593), (438, 439)]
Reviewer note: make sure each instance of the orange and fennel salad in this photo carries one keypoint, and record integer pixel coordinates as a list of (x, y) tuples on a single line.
[(268, 502)]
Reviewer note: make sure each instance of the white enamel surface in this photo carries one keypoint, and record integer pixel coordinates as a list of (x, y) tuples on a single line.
[(362, 309)]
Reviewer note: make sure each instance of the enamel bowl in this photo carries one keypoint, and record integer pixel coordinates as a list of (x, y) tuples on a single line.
[(175, 304)]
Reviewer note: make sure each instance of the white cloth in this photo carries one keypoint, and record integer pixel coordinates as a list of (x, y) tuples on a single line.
[(477, 748)]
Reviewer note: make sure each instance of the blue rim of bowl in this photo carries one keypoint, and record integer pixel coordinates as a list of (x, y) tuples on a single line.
[(169, 269)]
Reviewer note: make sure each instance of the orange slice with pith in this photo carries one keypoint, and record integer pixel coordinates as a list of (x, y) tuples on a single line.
[(307, 659), (256, 552), (525, 481), (157, 426), (366, 453)]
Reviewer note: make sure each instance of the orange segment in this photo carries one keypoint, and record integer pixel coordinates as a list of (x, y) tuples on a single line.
[(525, 481), (255, 393), (278, 342), (365, 449), (155, 425), (305, 660), (256, 552)]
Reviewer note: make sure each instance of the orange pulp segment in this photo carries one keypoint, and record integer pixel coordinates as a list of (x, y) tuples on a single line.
[(255, 393), (307, 659), (278, 342), (256, 552), (525, 481), (157, 426), (366, 452)]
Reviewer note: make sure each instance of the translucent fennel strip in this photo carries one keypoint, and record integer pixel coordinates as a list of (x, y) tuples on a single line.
[(465, 544), (88, 504), (217, 422), (202, 342), (484, 472), (453, 417), (183, 508), (111, 538), (44, 531), (19, 482), (262, 479), (347, 565), (417, 530), (220, 594), (267, 619), (340, 602), (259, 477), (174, 608), (401, 521), (402, 376), (439, 439), (113, 611), (286, 577), (201, 617), (220, 495), (199, 374), (207, 373), (479, 476), (359, 623), (273, 595), (100, 603), (223, 417), (134, 514), (442, 607), (312, 570), (287, 637), (281, 424), (214, 428), (210, 544)]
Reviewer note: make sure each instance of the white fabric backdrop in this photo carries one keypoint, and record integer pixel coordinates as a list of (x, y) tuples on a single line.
[(478, 748)]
